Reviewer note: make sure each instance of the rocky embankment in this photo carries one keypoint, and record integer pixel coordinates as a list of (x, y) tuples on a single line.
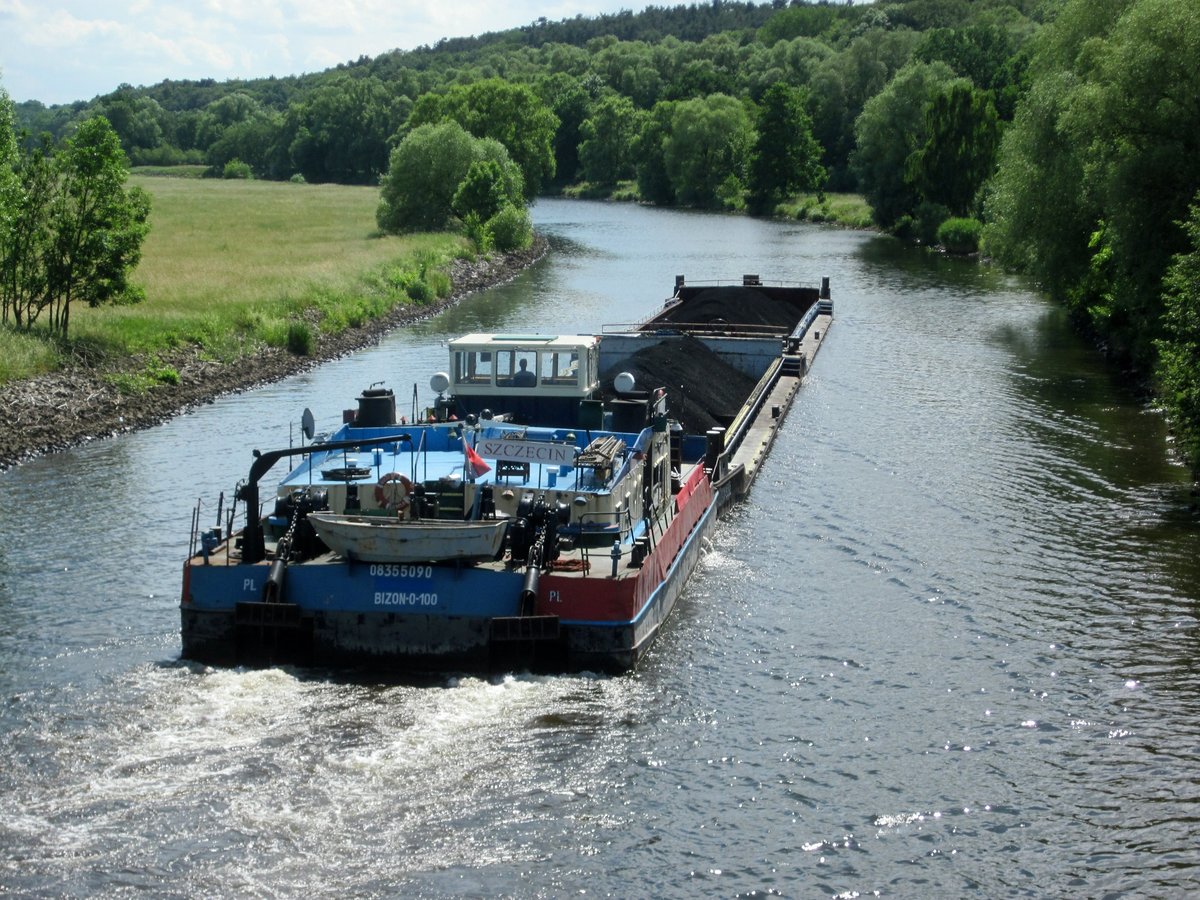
[(66, 408)]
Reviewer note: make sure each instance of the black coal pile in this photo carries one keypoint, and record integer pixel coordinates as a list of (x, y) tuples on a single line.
[(734, 304), (703, 390)]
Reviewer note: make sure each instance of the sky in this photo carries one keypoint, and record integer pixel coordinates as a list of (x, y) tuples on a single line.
[(59, 51)]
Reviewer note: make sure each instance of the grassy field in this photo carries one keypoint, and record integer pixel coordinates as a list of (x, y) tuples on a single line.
[(230, 265), (849, 210)]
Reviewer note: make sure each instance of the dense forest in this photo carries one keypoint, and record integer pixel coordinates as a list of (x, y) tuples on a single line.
[(1060, 133)]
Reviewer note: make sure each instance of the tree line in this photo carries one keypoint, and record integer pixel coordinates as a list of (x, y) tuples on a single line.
[(1059, 135)]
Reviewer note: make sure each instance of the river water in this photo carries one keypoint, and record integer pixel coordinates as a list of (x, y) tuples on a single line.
[(947, 647)]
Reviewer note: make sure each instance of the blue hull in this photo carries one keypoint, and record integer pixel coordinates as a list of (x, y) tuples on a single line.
[(404, 618)]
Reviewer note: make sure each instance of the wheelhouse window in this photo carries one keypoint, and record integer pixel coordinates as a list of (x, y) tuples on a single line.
[(516, 368), (474, 367), (560, 367)]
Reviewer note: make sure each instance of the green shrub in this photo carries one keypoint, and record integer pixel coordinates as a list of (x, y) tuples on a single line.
[(960, 235), (235, 168), (511, 228), (298, 179), (420, 291), (929, 217), (272, 332), (23, 354), (905, 228), (299, 339), (440, 282), (131, 384), (479, 233), (626, 191), (163, 374)]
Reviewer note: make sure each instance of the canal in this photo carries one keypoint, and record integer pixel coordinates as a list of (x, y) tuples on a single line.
[(948, 646)]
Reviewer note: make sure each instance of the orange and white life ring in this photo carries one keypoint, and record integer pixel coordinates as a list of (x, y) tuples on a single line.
[(394, 492)]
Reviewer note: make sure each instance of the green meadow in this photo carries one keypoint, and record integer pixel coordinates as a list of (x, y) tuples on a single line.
[(230, 266)]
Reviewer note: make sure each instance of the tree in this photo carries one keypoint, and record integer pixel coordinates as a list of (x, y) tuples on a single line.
[(705, 153), (1179, 350), (10, 207), (24, 244), (428, 168), (256, 142), (842, 86), (74, 231), (805, 20), (605, 151), (786, 157), (481, 192), (97, 225), (979, 52), (510, 113), (1038, 220), (963, 132), (653, 180), (8, 162), (340, 132), (136, 119), (628, 68), (568, 99), (892, 126), (423, 175), (1097, 171)]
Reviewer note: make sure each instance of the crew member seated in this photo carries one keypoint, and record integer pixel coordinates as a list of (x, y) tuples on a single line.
[(524, 378)]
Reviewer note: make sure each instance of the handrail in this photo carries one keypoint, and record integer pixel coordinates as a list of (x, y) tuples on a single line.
[(253, 545), (727, 328), (737, 429)]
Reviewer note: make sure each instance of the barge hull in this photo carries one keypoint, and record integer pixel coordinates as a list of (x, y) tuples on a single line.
[(599, 607), (354, 634)]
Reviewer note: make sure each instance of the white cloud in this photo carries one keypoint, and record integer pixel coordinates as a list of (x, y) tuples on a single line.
[(75, 49)]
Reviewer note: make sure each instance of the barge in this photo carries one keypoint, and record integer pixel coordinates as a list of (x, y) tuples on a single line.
[(544, 513)]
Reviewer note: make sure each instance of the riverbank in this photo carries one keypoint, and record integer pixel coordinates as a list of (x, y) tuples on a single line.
[(838, 209), (63, 409)]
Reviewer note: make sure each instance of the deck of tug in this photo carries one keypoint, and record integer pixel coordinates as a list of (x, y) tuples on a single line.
[(578, 562)]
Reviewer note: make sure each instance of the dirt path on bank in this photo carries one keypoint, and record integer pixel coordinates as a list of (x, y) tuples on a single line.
[(63, 409)]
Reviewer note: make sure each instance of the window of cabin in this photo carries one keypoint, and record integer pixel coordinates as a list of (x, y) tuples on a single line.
[(560, 367), (525, 372), (473, 367)]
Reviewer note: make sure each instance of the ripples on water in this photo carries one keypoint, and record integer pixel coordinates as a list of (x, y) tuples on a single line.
[(948, 647)]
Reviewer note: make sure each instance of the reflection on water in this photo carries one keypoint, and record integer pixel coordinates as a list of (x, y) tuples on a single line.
[(948, 646)]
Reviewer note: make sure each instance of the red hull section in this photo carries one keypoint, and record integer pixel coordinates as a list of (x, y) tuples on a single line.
[(600, 598)]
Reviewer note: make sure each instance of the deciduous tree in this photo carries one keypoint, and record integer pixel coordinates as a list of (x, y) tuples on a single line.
[(510, 113), (1104, 155), (959, 154), (428, 169), (786, 157), (653, 180), (97, 225), (705, 153), (1179, 350), (892, 127), (605, 152)]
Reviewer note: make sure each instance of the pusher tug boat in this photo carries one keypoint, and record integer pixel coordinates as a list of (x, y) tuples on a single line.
[(544, 514)]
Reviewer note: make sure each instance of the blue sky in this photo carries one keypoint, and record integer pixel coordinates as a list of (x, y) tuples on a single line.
[(57, 51)]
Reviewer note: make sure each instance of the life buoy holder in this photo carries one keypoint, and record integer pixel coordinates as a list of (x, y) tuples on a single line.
[(394, 492)]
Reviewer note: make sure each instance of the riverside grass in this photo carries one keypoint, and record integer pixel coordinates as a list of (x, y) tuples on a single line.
[(231, 265)]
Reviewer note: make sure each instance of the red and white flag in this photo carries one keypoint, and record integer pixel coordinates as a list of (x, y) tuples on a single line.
[(475, 466)]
